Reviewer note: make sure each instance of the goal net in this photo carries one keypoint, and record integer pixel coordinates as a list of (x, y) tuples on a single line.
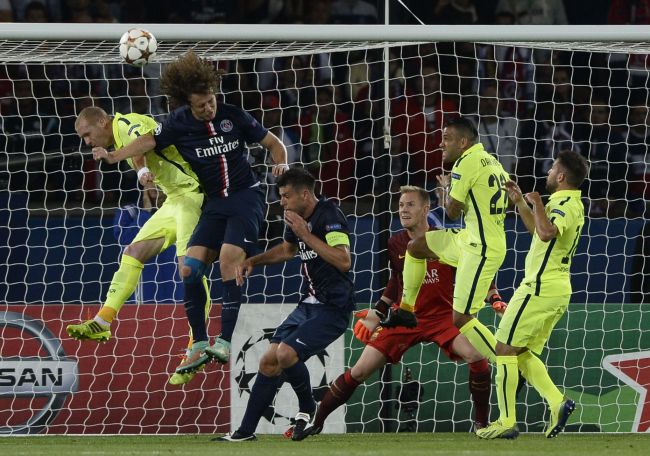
[(362, 108)]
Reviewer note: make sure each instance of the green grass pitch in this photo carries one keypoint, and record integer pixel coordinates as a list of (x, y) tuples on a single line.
[(338, 444)]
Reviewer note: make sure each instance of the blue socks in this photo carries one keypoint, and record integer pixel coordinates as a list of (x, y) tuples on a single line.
[(230, 308), (262, 395), (298, 376), (264, 391), (195, 309)]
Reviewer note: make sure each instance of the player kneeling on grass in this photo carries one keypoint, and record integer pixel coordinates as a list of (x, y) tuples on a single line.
[(434, 321), (543, 295), (172, 223), (317, 230)]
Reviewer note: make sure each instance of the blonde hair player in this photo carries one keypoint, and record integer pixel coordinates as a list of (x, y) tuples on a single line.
[(172, 223)]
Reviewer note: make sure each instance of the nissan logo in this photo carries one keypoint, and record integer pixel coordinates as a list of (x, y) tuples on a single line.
[(52, 375)]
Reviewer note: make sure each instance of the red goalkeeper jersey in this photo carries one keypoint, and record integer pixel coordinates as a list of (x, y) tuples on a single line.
[(436, 294)]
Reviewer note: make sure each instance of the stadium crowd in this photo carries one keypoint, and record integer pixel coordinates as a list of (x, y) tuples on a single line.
[(329, 108)]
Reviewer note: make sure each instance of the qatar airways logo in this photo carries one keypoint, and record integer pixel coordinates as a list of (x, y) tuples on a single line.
[(431, 277), (217, 147)]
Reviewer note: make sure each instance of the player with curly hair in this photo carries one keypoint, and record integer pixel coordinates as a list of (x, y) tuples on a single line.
[(212, 138)]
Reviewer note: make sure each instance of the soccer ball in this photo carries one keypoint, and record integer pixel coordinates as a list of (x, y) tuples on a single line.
[(138, 47)]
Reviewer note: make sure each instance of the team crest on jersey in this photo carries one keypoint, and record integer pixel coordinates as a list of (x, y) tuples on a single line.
[(226, 125)]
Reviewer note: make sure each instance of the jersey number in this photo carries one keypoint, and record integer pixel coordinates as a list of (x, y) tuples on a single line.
[(499, 200), (572, 251)]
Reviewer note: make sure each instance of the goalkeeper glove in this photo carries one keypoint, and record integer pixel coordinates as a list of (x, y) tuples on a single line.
[(497, 302), (361, 331), (399, 317)]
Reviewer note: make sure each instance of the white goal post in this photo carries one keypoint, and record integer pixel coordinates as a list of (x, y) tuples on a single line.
[(362, 107)]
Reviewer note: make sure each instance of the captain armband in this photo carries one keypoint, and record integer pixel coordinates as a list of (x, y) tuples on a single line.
[(335, 238)]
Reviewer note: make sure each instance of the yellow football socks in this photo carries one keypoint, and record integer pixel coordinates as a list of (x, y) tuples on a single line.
[(481, 338), (208, 301), (413, 275), (535, 373), (507, 379), (124, 282)]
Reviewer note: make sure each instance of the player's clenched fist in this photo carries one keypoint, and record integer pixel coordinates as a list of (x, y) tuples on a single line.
[(99, 153), (534, 199)]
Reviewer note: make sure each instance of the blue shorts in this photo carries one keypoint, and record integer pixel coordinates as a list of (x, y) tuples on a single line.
[(311, 328), (234, 220)]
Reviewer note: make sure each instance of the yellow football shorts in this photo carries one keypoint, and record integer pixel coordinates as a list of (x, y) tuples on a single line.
[(529, 319), (175, 221), (474, 273)]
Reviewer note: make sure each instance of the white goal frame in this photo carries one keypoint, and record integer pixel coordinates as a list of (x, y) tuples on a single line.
[(98, 43)]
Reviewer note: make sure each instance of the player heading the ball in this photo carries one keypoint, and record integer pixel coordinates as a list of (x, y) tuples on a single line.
[(212, 138), (172, 223)]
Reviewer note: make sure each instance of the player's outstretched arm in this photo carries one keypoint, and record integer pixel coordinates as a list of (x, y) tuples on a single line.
[(137, 147), (278, 254)]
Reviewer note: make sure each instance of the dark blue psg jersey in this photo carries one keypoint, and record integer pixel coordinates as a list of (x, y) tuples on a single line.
[(322, 282), (215, 150)]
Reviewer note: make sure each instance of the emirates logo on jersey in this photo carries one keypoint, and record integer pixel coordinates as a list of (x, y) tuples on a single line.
[(225, 125)]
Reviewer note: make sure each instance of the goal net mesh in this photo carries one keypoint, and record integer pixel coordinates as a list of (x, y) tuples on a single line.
[(65, 220)]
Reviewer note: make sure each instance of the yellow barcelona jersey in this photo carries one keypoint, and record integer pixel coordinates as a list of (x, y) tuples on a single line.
[(171, 172), (477, 181), (548, 263)]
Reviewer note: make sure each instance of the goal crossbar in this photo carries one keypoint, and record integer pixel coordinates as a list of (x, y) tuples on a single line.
[(331, 32), (97, 43)]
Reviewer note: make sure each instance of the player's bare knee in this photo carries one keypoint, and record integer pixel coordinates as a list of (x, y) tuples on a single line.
[(472, 356), (460, 319), (193, 270), (134, 251), (269, 364), (229, 259), (360, 373), (286, 356)]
